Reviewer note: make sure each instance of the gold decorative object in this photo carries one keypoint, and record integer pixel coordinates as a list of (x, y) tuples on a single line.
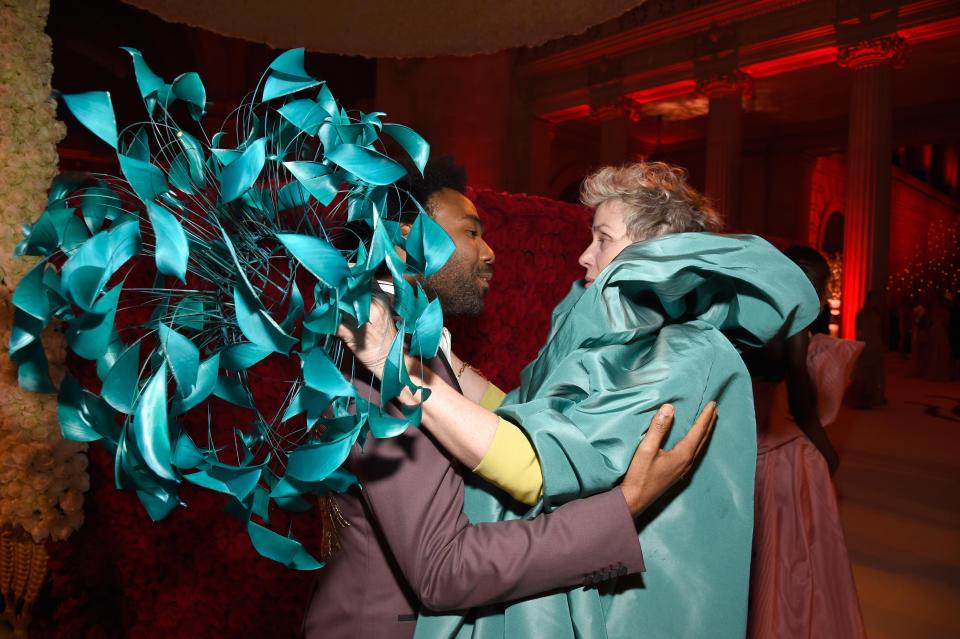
[(23, 567)]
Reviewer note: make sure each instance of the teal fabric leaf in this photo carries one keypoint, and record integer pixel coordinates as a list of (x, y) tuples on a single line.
[(42, 237), (90, 336), (340, 480), (89, 269), (242, 172), (238, 357), (66, 185), (157, 506), (319, 373), (111, 356), (316, 178), (238, 482), (260, 201), (281, 549), (384, 425), (293, 195), (307, 400), (183, 357), (428, 245), (94, 110), (147, 181), (30, 295), (370, 166), (186, 455), (253, 320), (120, 387), (195, 156), (327, 102), (306, 115), (83, 416), (317, 459), (172, 249), (231, 390), (74, 235), (411, 141), (189, 313), (323, 319), (426, 338), (395, 375), (139, 146), (206, 384), (179, 174), (148, 82), (257, 325), (287, 76), (294, 308), (33, 371), (150, 428), (124, 243), (329, 137), (99, 203), (25, 331), (225, 156), (189, 88), (318, 256)]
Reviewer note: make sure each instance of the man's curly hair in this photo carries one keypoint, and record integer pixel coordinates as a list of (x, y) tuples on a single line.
[(657, 197)]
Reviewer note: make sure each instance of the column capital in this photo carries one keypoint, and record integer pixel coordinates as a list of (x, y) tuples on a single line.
[(865, 53), (621, 107), (726, 83)]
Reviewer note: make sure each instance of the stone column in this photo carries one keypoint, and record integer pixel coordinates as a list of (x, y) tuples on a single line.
[(866, 234), (614, 140), (542, 133), (725, 92)]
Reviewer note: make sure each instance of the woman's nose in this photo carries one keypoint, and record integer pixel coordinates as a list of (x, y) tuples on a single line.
[(586, 258)]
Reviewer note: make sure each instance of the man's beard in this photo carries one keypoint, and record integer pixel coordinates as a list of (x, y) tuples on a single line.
[(458, 286)]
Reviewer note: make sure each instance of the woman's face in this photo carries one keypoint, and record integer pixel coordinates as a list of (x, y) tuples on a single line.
[(609, 238)]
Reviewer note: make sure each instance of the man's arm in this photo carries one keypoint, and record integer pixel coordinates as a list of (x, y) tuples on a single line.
[(416, 497)]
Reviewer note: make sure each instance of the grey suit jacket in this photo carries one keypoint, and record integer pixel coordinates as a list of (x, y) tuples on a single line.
[(409, 545)]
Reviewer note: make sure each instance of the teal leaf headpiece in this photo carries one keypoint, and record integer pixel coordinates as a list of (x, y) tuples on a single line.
[(213, 266)]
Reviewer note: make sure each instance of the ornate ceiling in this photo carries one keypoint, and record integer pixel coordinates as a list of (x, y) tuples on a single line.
[(392, 28)]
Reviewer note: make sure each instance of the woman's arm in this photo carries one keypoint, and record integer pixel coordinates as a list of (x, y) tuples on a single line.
[(473, 384), (802, 398), (461, 426)]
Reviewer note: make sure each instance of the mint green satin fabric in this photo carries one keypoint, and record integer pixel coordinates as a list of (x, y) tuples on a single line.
[(661, 323)]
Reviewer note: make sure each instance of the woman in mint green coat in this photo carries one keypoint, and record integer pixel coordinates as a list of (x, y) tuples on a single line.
[(659, 317)]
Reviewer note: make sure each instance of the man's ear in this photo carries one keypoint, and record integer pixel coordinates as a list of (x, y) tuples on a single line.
[(405, 231)]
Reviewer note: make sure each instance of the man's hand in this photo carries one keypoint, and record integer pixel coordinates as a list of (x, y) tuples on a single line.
[(653, 470), (370, 342)]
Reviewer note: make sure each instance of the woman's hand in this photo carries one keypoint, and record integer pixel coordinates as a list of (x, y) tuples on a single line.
[(370, 342), (652, 469)]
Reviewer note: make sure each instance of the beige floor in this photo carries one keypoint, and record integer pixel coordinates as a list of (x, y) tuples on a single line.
[(899, 490)]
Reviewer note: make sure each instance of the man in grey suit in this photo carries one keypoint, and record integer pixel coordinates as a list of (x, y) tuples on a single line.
[(408, 544)]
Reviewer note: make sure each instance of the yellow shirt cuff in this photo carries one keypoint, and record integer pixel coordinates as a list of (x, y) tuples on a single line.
[(492, 397), (511, 464)]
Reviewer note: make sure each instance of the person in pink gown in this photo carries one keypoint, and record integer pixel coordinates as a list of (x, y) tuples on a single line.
[(801, 584)]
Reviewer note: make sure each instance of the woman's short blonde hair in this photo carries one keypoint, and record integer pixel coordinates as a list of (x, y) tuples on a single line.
[(657, 197)]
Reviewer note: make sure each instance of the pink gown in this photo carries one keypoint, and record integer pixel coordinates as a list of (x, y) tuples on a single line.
[(801, 585)]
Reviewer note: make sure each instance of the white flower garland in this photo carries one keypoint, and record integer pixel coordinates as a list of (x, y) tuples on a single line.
[(42, 476)]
